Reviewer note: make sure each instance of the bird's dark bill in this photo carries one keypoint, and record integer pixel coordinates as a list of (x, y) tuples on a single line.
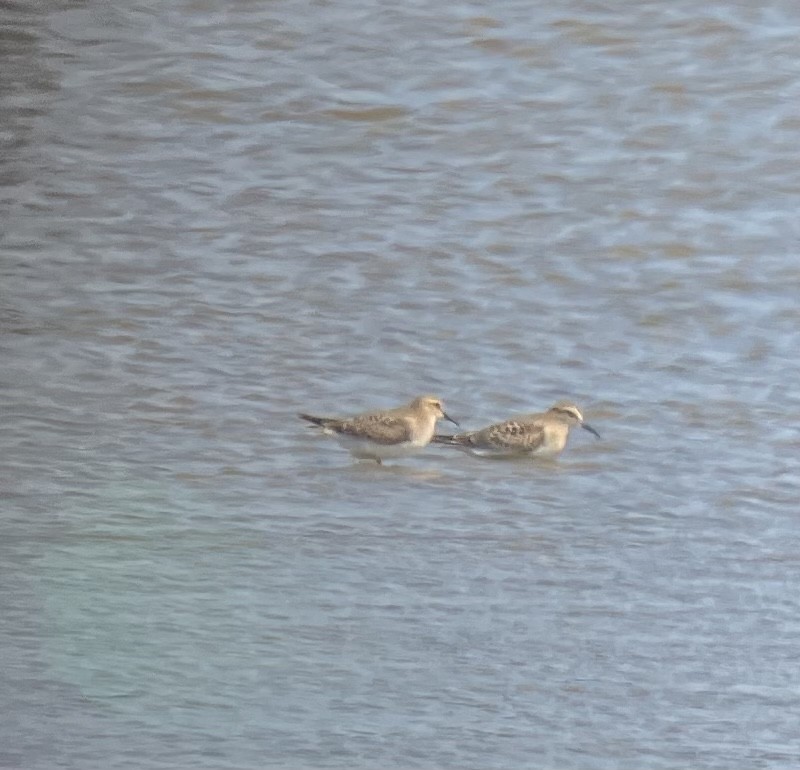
[(590, 429)]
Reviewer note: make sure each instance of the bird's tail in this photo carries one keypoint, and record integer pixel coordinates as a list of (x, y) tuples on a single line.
[(321, 421)]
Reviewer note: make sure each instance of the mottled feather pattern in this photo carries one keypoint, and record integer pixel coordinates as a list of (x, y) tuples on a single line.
[(380, 428), (388, 433), (507, 435), (515, 434), (543, 433), (510, 435), (407, 429)]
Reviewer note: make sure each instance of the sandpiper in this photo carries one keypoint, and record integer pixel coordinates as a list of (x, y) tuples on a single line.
[(397, 432), (543, 434)]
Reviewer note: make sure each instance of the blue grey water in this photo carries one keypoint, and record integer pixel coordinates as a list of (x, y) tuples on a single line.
[(217, 214)]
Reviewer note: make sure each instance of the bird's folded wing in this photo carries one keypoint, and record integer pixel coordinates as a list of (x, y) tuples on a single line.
[(380, 428), (512, 435)]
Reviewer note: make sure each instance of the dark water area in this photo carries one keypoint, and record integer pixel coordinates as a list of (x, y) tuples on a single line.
[(216, 215)]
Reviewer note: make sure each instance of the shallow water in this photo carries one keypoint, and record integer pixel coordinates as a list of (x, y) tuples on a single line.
[(217, 215)]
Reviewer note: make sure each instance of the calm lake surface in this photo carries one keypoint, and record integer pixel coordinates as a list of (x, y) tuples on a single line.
[(218, 214)]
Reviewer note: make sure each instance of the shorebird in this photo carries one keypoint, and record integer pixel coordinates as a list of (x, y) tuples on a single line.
[(543, 434), (397, 432)]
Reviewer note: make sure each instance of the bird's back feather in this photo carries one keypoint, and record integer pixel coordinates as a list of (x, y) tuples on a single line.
[(510, 436)]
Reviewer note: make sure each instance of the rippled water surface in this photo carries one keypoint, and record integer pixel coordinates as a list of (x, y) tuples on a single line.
[(219, 214)]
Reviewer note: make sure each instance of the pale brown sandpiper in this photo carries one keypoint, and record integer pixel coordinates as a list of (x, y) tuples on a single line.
[(389, 433), (543, 434)]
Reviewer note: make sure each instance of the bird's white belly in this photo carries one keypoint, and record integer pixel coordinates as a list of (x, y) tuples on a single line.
[(365, 449), (506, 452)]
